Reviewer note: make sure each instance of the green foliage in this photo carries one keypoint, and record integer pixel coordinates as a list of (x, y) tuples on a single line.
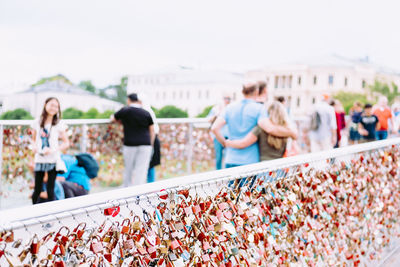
[(154, 109), (88, 86), (72, 113), (106, 114), (391, 92), (53, 78), (16, 114), (171, 112), (92, 113), (205, 112), (347, 99)]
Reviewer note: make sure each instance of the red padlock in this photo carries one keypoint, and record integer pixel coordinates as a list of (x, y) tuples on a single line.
[(114, 211), (35, 244), (62, 236), (80, 230), (59, 262)]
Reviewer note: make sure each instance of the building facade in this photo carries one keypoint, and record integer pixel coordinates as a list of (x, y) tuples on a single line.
[(188, 89), (303, 84), (69, 96)]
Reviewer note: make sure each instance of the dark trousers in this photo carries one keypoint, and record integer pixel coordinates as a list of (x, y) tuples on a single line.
[(51, 179), (73, 189)]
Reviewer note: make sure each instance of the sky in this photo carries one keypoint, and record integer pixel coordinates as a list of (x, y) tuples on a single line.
[(102, 40)]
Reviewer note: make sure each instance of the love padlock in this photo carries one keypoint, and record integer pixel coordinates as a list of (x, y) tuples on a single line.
[(114, 211), (127, 243), (59, 262), (62, 237), (136, 224), (96, 246), (35, 245), (80, 230), (125, 226)]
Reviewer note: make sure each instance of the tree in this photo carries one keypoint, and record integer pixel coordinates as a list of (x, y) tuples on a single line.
[(121, 90), (205, 112), (59, 77), (347, 99), (106, 114), (16, 114), (170, 111), (391, 92), (92, 113), (87, 86), (72, 113)]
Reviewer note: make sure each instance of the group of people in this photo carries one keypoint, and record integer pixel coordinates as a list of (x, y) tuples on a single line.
[(58, 175), (250, 132), (373, 122)]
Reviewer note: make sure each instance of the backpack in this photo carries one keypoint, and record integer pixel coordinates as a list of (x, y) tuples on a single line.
[(315, 121), (89, 163)]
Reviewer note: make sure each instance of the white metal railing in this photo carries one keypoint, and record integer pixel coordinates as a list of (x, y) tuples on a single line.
[(44, 219), (119, 196)]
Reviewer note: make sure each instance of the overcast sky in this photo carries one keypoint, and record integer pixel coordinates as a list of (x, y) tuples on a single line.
[(101, 40)]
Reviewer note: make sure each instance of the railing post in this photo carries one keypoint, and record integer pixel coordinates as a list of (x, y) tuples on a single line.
[(84, 138), (190, 149), (1, 162)]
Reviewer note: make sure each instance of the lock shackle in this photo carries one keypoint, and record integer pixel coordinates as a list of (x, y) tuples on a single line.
[(80, 226)]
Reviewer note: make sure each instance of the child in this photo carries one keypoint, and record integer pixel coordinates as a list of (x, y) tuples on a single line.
[(47, 131), (368, 124)]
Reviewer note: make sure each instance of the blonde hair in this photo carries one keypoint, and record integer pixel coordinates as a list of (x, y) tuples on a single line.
[(278, 116)]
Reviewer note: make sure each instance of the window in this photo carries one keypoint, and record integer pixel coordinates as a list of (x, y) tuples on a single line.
[(299, 80), (315, 80), (276, 81), (330, 79), (234, 96), (283, 81), (180, 94), (199, 94), (207, 94), (313, 100), (164, 95), (157, 95), (173, 95), (363, 84), (187, 94), (290, 81), (298, 101), (345, 81)]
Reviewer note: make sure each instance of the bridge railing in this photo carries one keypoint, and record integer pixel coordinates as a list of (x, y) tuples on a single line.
[(186, 148), (337, 207)]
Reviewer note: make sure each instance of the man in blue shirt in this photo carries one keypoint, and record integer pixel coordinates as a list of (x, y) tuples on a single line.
[(241, 117), (77, 182)]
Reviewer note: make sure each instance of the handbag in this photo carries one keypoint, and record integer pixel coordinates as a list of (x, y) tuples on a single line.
[(60, 165)]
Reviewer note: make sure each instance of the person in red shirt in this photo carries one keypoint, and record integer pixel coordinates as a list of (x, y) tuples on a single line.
[(384, 114), (340, 120)]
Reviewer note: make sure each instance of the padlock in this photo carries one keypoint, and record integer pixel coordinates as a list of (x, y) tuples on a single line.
[(35, 245), (136, 224), (62, 237), (96, 247), (125, 226), (80, 230), (128, 243), (23, 254)]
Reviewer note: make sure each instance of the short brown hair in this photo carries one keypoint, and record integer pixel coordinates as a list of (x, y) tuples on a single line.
[(262, 87), (249, 89)]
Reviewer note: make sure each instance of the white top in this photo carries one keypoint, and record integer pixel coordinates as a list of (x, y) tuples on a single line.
[(328, 122), (55, 131)]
